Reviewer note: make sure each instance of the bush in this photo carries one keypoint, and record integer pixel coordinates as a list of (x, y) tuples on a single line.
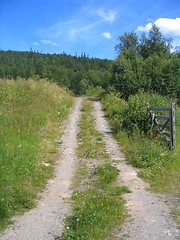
[(132, 115), (137, 117), (116, 109), (158, 165)]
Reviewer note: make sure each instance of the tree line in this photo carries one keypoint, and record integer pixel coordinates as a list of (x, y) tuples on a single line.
[(78, 73), (148, 64)]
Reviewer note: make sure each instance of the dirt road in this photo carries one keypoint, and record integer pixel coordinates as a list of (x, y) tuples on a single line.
[(150, 217)]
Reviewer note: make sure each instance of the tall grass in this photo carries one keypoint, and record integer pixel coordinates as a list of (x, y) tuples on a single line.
[(91, 144), (165, 175), (143, 149), (30, 115)]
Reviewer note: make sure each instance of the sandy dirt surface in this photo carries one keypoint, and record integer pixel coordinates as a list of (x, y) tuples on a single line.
[(150, 217), (46, 222)]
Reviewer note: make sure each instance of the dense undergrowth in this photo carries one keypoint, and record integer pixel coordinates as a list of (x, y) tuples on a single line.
[(30, 116), (143, 147), (97, 202)]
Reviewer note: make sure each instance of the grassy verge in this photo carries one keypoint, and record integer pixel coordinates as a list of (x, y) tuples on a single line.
[(30, 116), (158, 165), (97, 204)]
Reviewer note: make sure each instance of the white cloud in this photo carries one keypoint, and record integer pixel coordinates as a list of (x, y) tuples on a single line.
[(107, 35), (109, 16), (166, 26), (145, 28), (169, 25), (84, 25), (78, 30), (48, 42), (73, 29), (36, 43)]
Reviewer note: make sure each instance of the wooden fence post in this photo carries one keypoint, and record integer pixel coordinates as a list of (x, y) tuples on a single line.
[(173, 127)]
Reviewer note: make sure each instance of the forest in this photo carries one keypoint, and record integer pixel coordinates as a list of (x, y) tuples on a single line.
[(77, 73)]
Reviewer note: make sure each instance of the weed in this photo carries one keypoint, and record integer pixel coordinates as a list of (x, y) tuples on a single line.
[(30, 115), (106, 174), (91, 140), (158, 165), (96, 212)]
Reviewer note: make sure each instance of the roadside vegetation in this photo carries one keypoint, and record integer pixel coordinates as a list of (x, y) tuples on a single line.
[(146, 71), (97, 202), (30, 116), (144, 148)]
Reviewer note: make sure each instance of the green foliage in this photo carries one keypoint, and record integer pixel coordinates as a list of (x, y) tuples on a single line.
[(95, 213), (143, 150), (106, 174), (132, 115), (127, 75), (163, 74), (146, 64), (95, 91), (128, 45), (154, 44), (137, 117), (76, 73), (30, 113), (116, 111), (91, 140)]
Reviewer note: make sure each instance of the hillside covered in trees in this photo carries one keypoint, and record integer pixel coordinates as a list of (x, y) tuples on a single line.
[(78, 73)]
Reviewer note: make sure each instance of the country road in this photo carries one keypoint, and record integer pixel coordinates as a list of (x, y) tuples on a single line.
[(149, 213)]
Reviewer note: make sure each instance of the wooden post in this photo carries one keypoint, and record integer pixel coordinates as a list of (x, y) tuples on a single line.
[(173, 127)]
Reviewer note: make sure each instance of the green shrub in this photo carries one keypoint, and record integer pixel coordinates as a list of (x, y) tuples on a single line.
[(137, 118), (158, 165), (115, 109), (132, 115), (97, 91)]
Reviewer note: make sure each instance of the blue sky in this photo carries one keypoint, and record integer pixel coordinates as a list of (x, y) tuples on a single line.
[(76, 26)]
